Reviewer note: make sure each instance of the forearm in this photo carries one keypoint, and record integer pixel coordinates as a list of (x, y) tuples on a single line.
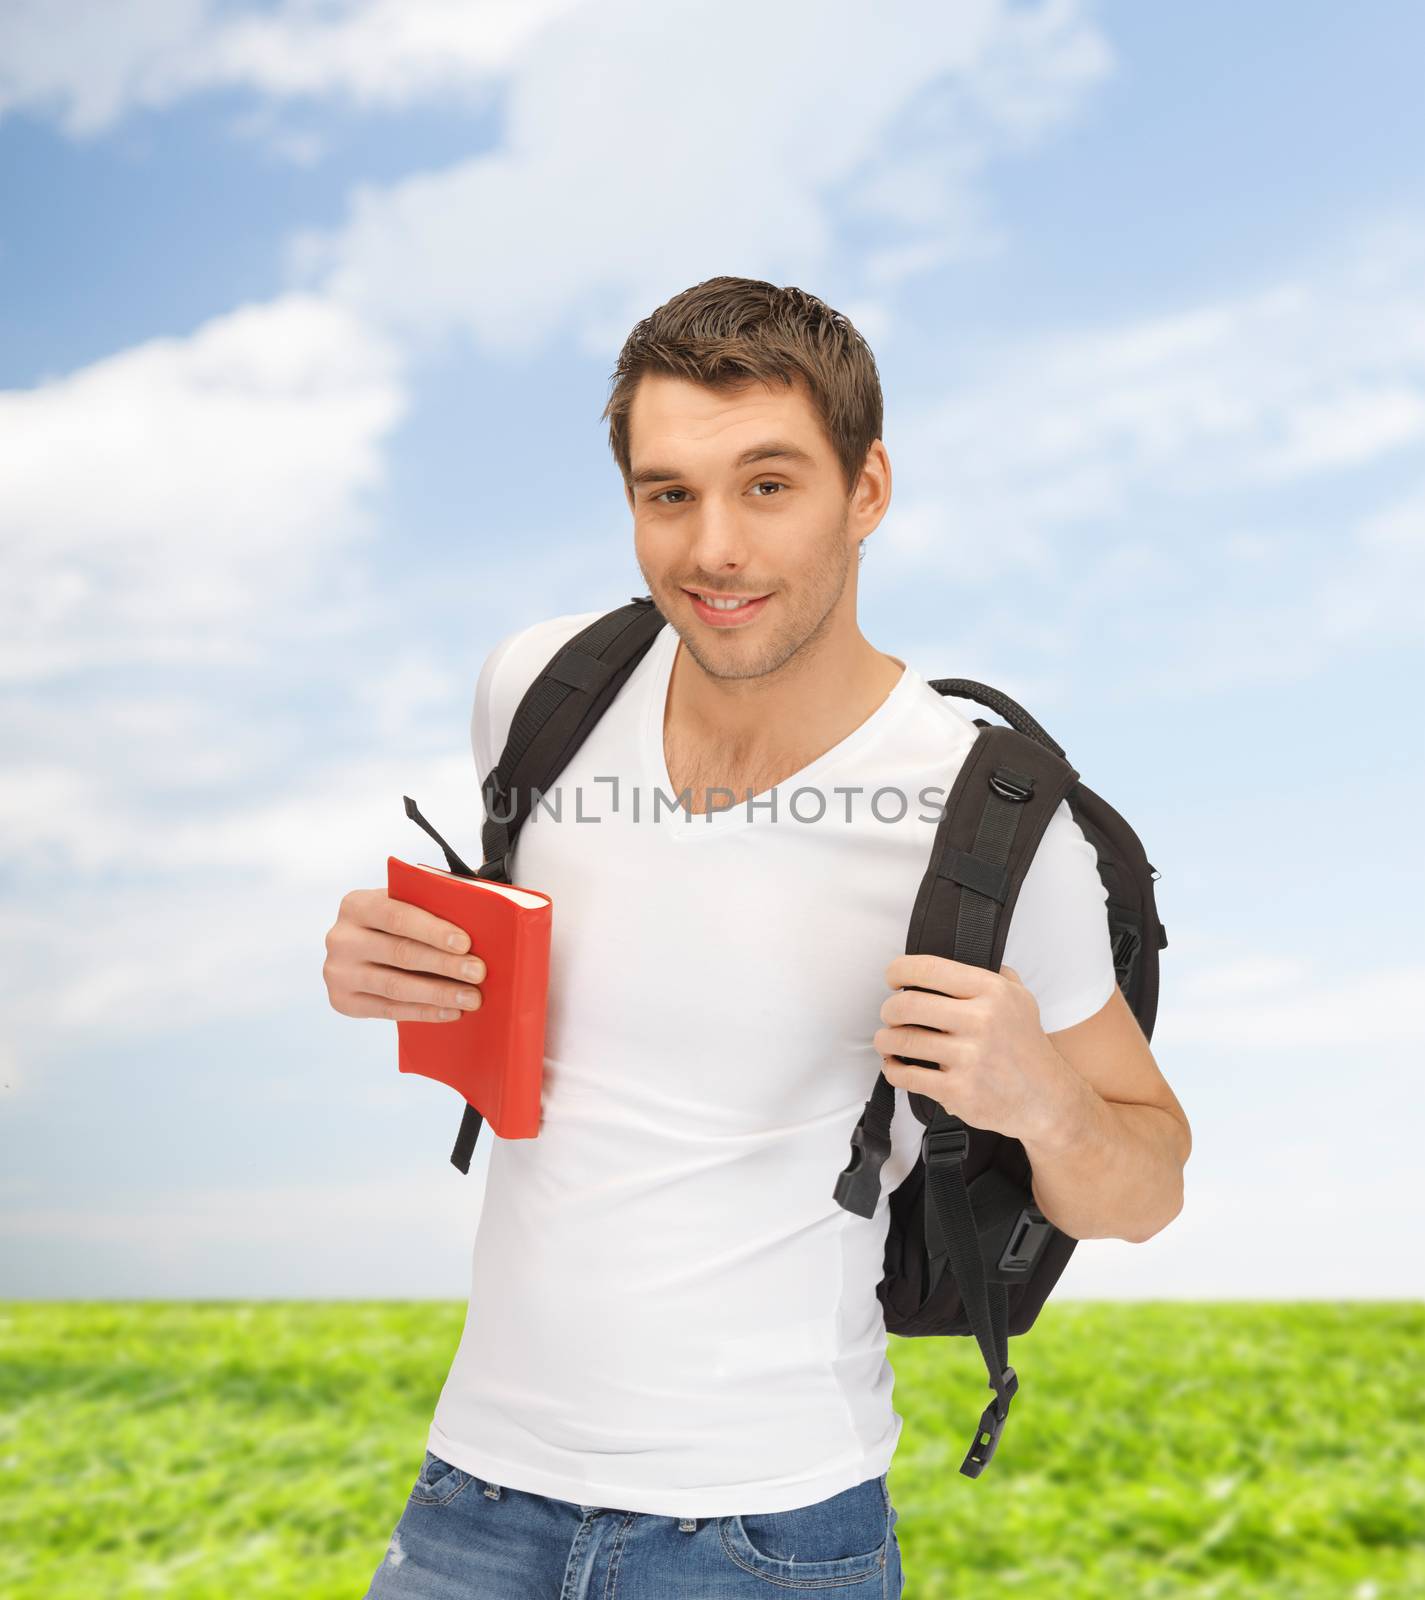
[(1104, 1170)]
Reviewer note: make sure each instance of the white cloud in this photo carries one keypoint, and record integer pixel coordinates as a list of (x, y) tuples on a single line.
[(1268, 1004), (488, 246), (1287, 383), (1126, 473), (1276, 1216), (181, 609), (1300, 1081), (405, 1231), (1356, 423), (1399, 527), (157, 505), (202, 918), (89, 63), (377, 52)]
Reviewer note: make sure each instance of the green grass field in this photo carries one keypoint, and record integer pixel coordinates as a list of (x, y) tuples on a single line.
[(1154, 1450)]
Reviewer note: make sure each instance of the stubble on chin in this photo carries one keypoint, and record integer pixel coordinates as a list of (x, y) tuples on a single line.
[(798, 621)]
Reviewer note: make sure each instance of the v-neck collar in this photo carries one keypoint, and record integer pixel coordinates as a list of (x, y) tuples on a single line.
[(662, 652)]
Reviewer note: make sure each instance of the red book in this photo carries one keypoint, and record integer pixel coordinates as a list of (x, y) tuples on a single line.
[(494, 1055)]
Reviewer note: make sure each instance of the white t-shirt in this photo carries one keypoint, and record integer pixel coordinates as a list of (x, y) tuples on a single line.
[(669, 1312)]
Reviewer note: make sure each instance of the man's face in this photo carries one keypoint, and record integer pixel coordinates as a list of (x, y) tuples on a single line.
[(776, 527)]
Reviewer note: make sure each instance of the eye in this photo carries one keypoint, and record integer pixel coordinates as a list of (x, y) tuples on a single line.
[(764, 483)]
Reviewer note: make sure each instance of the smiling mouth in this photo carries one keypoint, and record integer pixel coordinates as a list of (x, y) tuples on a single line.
[(723, 602)]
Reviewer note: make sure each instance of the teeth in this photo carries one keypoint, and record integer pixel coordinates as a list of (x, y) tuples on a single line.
[(722, 604)]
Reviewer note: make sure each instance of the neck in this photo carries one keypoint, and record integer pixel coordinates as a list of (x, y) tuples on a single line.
[(812, 701)]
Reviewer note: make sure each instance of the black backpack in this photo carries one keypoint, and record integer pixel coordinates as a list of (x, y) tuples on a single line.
[(967, 1250)]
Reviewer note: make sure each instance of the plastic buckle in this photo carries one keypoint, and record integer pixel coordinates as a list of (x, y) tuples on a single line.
[(1026, 1239), (940, 1146), (498, 869), (992, 1421), (858, 1185), (1126, 943)]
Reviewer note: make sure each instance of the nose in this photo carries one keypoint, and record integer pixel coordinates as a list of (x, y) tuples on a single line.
[(718, 543)]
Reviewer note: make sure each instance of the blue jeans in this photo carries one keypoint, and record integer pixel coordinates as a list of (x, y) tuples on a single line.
[(463, 1538)]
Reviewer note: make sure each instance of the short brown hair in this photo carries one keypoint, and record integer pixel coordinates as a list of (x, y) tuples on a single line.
[(729, 332)]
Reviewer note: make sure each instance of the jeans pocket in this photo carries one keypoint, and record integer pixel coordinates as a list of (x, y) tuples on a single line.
[(834, 1542), (438, 1481)]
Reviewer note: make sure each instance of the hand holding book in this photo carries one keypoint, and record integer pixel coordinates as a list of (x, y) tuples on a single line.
[(494, 1054), (388, 959)]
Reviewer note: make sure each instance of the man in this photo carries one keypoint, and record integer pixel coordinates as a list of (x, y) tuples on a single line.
[(672, 1378)]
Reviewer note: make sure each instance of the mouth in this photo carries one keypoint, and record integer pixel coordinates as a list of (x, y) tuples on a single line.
[(725, 610)]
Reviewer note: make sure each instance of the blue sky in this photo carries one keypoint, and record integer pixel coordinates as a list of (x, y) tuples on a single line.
[(307, 313)]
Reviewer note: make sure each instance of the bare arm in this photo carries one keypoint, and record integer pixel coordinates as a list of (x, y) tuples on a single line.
[(1110, 1161)]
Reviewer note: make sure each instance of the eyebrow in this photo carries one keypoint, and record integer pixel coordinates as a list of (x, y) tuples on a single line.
[(766, 451)]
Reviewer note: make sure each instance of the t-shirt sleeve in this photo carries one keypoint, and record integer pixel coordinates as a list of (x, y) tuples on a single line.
[(1058, 939), (509, 669)]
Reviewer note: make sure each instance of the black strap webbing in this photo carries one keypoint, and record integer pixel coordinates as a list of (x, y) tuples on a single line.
[(950, 1231), (471, 1122), (1010, 784), (553, 718)]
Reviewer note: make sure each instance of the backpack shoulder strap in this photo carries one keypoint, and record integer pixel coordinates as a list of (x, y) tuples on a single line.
[(1135, 929), (554, 717), (1007, 789), (1004, 795), (1136, 932)]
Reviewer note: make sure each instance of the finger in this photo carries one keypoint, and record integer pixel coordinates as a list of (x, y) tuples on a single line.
[(922, 971), (392, 983), (926, 1044), (370, 1005), (918, 1080), (411, 922), (927, 1010), (393, 950)]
